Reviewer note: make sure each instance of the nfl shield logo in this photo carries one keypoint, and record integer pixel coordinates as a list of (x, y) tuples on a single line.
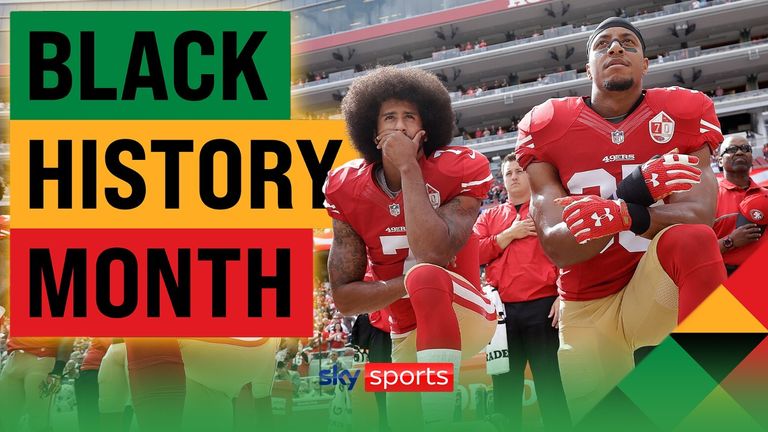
[(434, 196), (617, 136), (661, 127), (394, 210)]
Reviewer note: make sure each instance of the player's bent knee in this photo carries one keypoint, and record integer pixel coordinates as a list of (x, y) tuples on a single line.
[(693, 238), (423, 276), (694, 231)]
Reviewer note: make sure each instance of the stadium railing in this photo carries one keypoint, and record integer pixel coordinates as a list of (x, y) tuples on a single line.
[(548, 34)]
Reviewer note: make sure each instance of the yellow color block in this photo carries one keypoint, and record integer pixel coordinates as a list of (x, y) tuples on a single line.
[(721, 312), (192, 211)]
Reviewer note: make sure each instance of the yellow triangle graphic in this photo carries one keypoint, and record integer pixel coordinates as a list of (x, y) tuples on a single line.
[(721, 312)]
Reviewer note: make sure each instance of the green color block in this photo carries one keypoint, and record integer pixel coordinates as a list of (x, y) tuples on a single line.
[(718, 353), (719, 412), (213, 39), (616, 411), (667, 385)]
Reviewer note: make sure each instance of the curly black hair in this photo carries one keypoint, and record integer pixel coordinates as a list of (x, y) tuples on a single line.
[(366, 94)]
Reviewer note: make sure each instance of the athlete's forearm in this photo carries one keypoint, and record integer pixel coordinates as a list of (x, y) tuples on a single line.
[(364, 297), (429, 235), (559, 244), (680, 213), (562, 248), (347, 263)]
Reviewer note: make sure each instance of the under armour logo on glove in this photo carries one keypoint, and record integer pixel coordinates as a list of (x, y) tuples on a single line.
[(606, 217), (597, 217), (670, 174), (654, 180), (659, 178)]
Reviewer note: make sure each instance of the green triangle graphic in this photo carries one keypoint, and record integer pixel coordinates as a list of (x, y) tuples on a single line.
[(616, 409), (667, 385), (719, 412), (718, 353)]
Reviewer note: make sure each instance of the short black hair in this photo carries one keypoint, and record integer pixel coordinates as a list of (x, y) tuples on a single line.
[(615, 22), (363, 100)]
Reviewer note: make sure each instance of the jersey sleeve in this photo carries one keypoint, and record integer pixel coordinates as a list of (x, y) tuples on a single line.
[(527, 150), (709, 125), (469, 171), (477, 178), (341, 186), (332, 189)]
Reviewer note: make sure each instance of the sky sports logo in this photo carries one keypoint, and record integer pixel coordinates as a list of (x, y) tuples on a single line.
[(394, 377)]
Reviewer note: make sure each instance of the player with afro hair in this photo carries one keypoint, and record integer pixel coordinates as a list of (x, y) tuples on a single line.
[(364, 98), (402, 231)]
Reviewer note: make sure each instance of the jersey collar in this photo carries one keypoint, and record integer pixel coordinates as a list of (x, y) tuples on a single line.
[(730, 186)]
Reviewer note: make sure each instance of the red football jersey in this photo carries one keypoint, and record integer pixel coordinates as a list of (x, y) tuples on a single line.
[(352, 195), (592, 155)]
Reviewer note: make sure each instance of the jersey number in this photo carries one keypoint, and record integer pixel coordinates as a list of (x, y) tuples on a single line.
[(602, 179), (391, 244)]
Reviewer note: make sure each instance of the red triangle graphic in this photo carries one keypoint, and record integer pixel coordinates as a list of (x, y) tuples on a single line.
[(749, 282)]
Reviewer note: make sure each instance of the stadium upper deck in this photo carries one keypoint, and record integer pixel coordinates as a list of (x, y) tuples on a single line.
[(537, 51), (531, 50)]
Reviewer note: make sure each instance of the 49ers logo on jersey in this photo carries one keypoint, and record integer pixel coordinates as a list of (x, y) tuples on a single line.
[(434, 196), (661, 127)]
